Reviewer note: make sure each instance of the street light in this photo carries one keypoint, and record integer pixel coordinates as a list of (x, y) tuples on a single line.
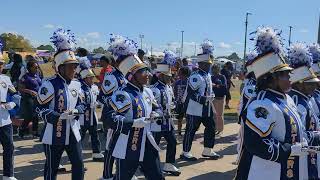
[(245, 39), (181, 43), (141, 36), (290, 35)]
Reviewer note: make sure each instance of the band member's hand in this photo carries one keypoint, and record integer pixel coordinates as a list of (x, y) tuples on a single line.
[(93, 105), (67, 115), (296, 150), (154, 114), (8, 106), (210, 98), (33, 93), (139, 123)]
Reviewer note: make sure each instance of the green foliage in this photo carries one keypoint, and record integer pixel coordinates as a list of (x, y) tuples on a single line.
[(15, 42), (99, 50), (46, 47)]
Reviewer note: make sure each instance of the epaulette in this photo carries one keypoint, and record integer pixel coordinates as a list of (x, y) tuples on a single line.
[(195, 81), (120, 101), (45, 92), (109, 84)]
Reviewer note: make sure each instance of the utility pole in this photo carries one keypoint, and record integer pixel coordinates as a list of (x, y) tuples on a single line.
[(245, 39), (319, 31), (141, 36), (290, 35), (182, 43)]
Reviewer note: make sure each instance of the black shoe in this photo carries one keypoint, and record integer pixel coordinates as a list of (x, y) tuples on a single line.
[(62, 169), (36, 135), (188, 158), (173, 173), (21, 133), (214, 156)]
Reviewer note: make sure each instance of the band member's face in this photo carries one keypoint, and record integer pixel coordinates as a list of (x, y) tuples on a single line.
[(166, 79), (89, 80), (283, 81), (205, 66), (309, 87), (142, 76), (69, 71)]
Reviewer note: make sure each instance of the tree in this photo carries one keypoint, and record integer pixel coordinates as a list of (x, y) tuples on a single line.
[(99, 50), (233, 56), (15, 42), (46, 47)]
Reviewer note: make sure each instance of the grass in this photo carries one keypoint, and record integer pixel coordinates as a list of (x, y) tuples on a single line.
[(235, 98)]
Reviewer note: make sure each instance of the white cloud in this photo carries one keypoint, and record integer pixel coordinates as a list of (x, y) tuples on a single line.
[(224, 45), (49, 26), (238, 43), (94, 35), (304, 30)]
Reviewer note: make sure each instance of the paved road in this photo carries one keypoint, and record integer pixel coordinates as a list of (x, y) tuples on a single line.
[(29, 159)]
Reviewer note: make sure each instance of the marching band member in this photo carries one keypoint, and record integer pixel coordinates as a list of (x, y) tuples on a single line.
[(59, 104), (248, 91), (199, 107), (133, 144), (304, 82), (111, 82), (88, 120), (249, 87), (163, 94), (7, 93), (273, 133), (314, 49)]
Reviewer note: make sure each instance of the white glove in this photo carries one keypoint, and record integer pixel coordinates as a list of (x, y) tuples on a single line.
[(154, 114), (74, 111), (304, 142), (296, 150), (93, 105), (139, 123), (8, 106), (210, 98), (67, 115)]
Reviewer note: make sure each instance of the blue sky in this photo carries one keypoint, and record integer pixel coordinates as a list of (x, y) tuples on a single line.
[(161, 21)]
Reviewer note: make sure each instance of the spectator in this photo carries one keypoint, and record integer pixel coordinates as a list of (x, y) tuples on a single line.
[(141, 54), (179, 88), (24, 69), (28, 87), (227, 72), (82, 54), (15, 71), (220, 90), (106, 64)]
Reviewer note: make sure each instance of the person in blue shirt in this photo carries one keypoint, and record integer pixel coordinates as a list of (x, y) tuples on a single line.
[(28, 86)]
